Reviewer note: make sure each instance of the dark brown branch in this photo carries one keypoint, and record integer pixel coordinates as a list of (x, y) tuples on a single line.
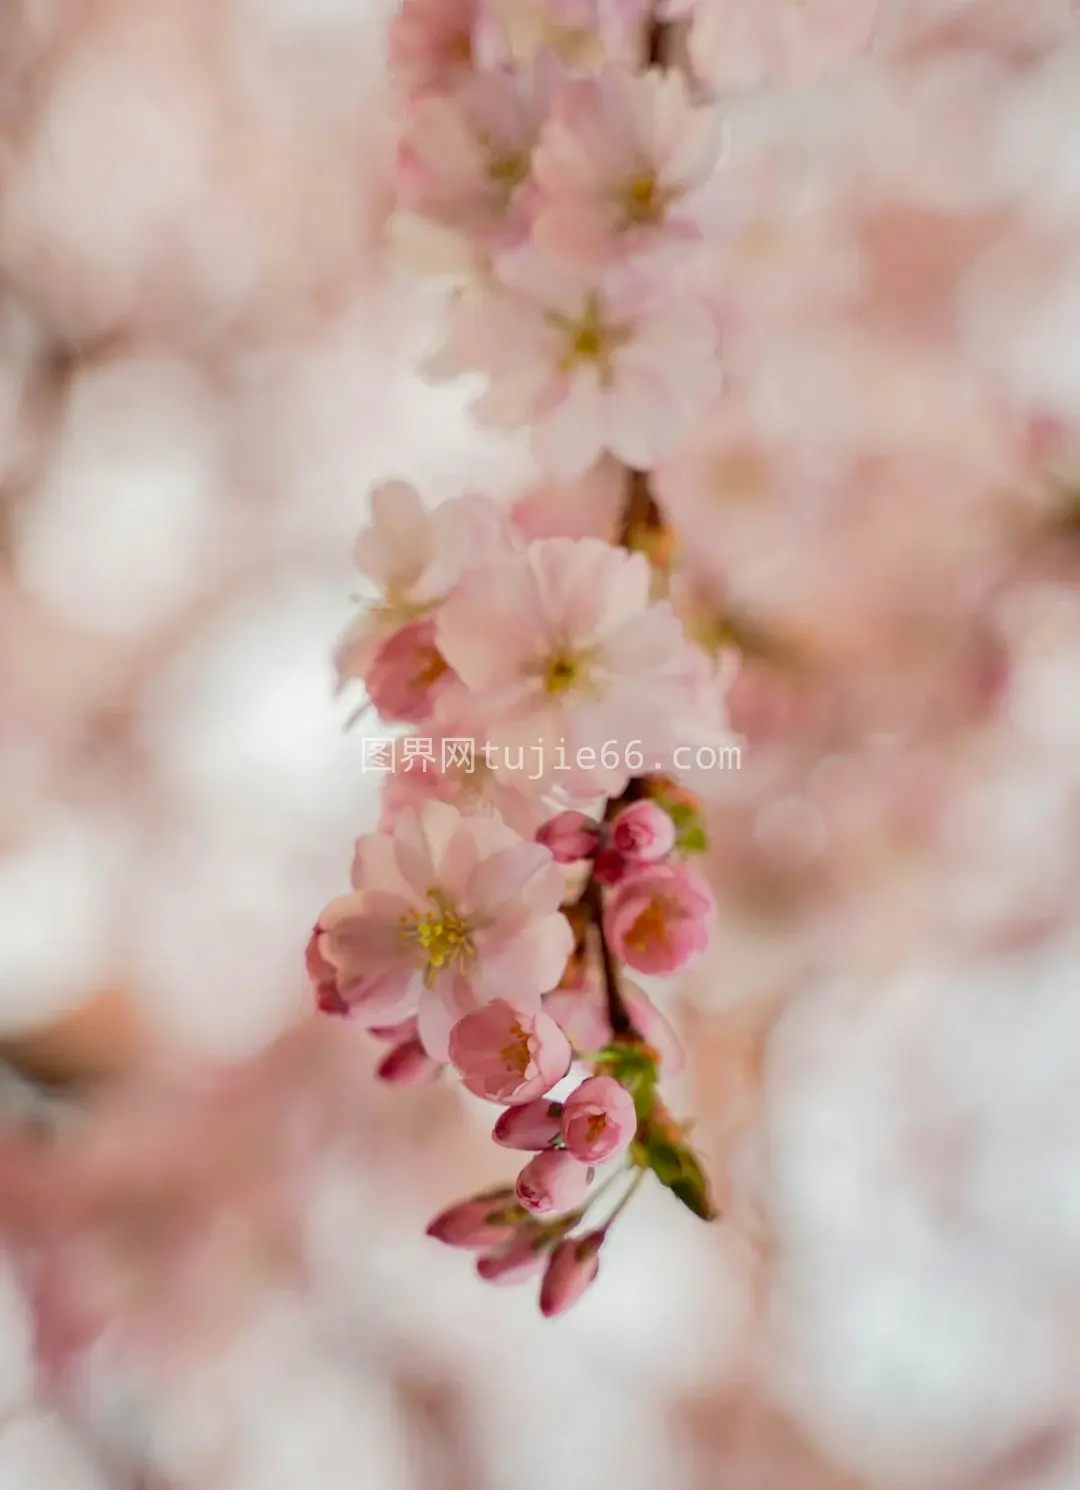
[(656, 49)]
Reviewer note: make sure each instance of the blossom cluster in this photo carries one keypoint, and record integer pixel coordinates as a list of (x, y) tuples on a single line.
[(553, 161)]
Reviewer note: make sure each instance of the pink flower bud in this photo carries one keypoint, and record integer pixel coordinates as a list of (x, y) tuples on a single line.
[(571, 837), (609, 866), (323, 977), (407, 1064), (598, 1120), (553, 1181), (523, 1259), (409, 674), (532, 1127), (506, 1055), (659, 918), (643, 833), (478, 1223), (571, 1268)]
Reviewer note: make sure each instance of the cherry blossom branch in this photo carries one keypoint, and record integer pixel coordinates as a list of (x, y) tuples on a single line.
[(481, 619)]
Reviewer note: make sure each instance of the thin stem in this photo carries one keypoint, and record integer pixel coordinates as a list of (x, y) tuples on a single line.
[(622, 1026), (656, 51), (640, 509), (567, 1223), (635, 1186)]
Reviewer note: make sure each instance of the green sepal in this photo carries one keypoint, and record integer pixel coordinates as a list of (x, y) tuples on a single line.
[(677, 1168), (692, 840)]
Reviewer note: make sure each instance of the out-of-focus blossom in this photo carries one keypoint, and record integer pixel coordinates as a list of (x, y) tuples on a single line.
[(413, 555), (620, 362), (478, 1223), (524, 1258), (464, 159), (659, 919), (619, 164), (577, 674), (408, 677), (571, 1269), (445, 761), (738, 46), (407, 1064), (571, 837), (586, 508), (643, 833), (431, 44)]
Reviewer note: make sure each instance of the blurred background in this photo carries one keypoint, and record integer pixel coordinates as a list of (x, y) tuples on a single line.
[(205, 363)]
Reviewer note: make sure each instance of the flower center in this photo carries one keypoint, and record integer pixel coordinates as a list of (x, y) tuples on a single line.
[(595, 1127), (441, 938), (433, 666), (508, 171), (562, 672), (589, 339), (515, 1056), (650, 929), (642, 201)]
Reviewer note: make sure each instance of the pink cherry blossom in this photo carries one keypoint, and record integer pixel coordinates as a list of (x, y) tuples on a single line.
[(619, 165), (509, 1055), (478, 1223), (431, 42), (446, 913), (588, 507), (655, 1029), (323, 977), (408, 676), (464, 158), (582, 1015), (621, 360), (444, 762), (599, 1120), (643, 833), (413, 555), (552, 1182), (659, 919), (571, 1269), (533, 1126), (579, 677), (584, 33), (735, 45), (408, 1064), (571, 837)]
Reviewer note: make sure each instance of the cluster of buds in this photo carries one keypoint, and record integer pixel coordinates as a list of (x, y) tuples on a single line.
[(515, 1247)]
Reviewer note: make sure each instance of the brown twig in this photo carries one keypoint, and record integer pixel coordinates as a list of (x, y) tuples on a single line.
[(591, 901)]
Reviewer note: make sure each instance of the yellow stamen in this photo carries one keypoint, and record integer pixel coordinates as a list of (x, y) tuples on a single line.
[(594, 1127), (649, 929), (642, 200), (433, 667), (508, 171), (441, 938), (589, 339), (515, 1056), (561, 673)]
